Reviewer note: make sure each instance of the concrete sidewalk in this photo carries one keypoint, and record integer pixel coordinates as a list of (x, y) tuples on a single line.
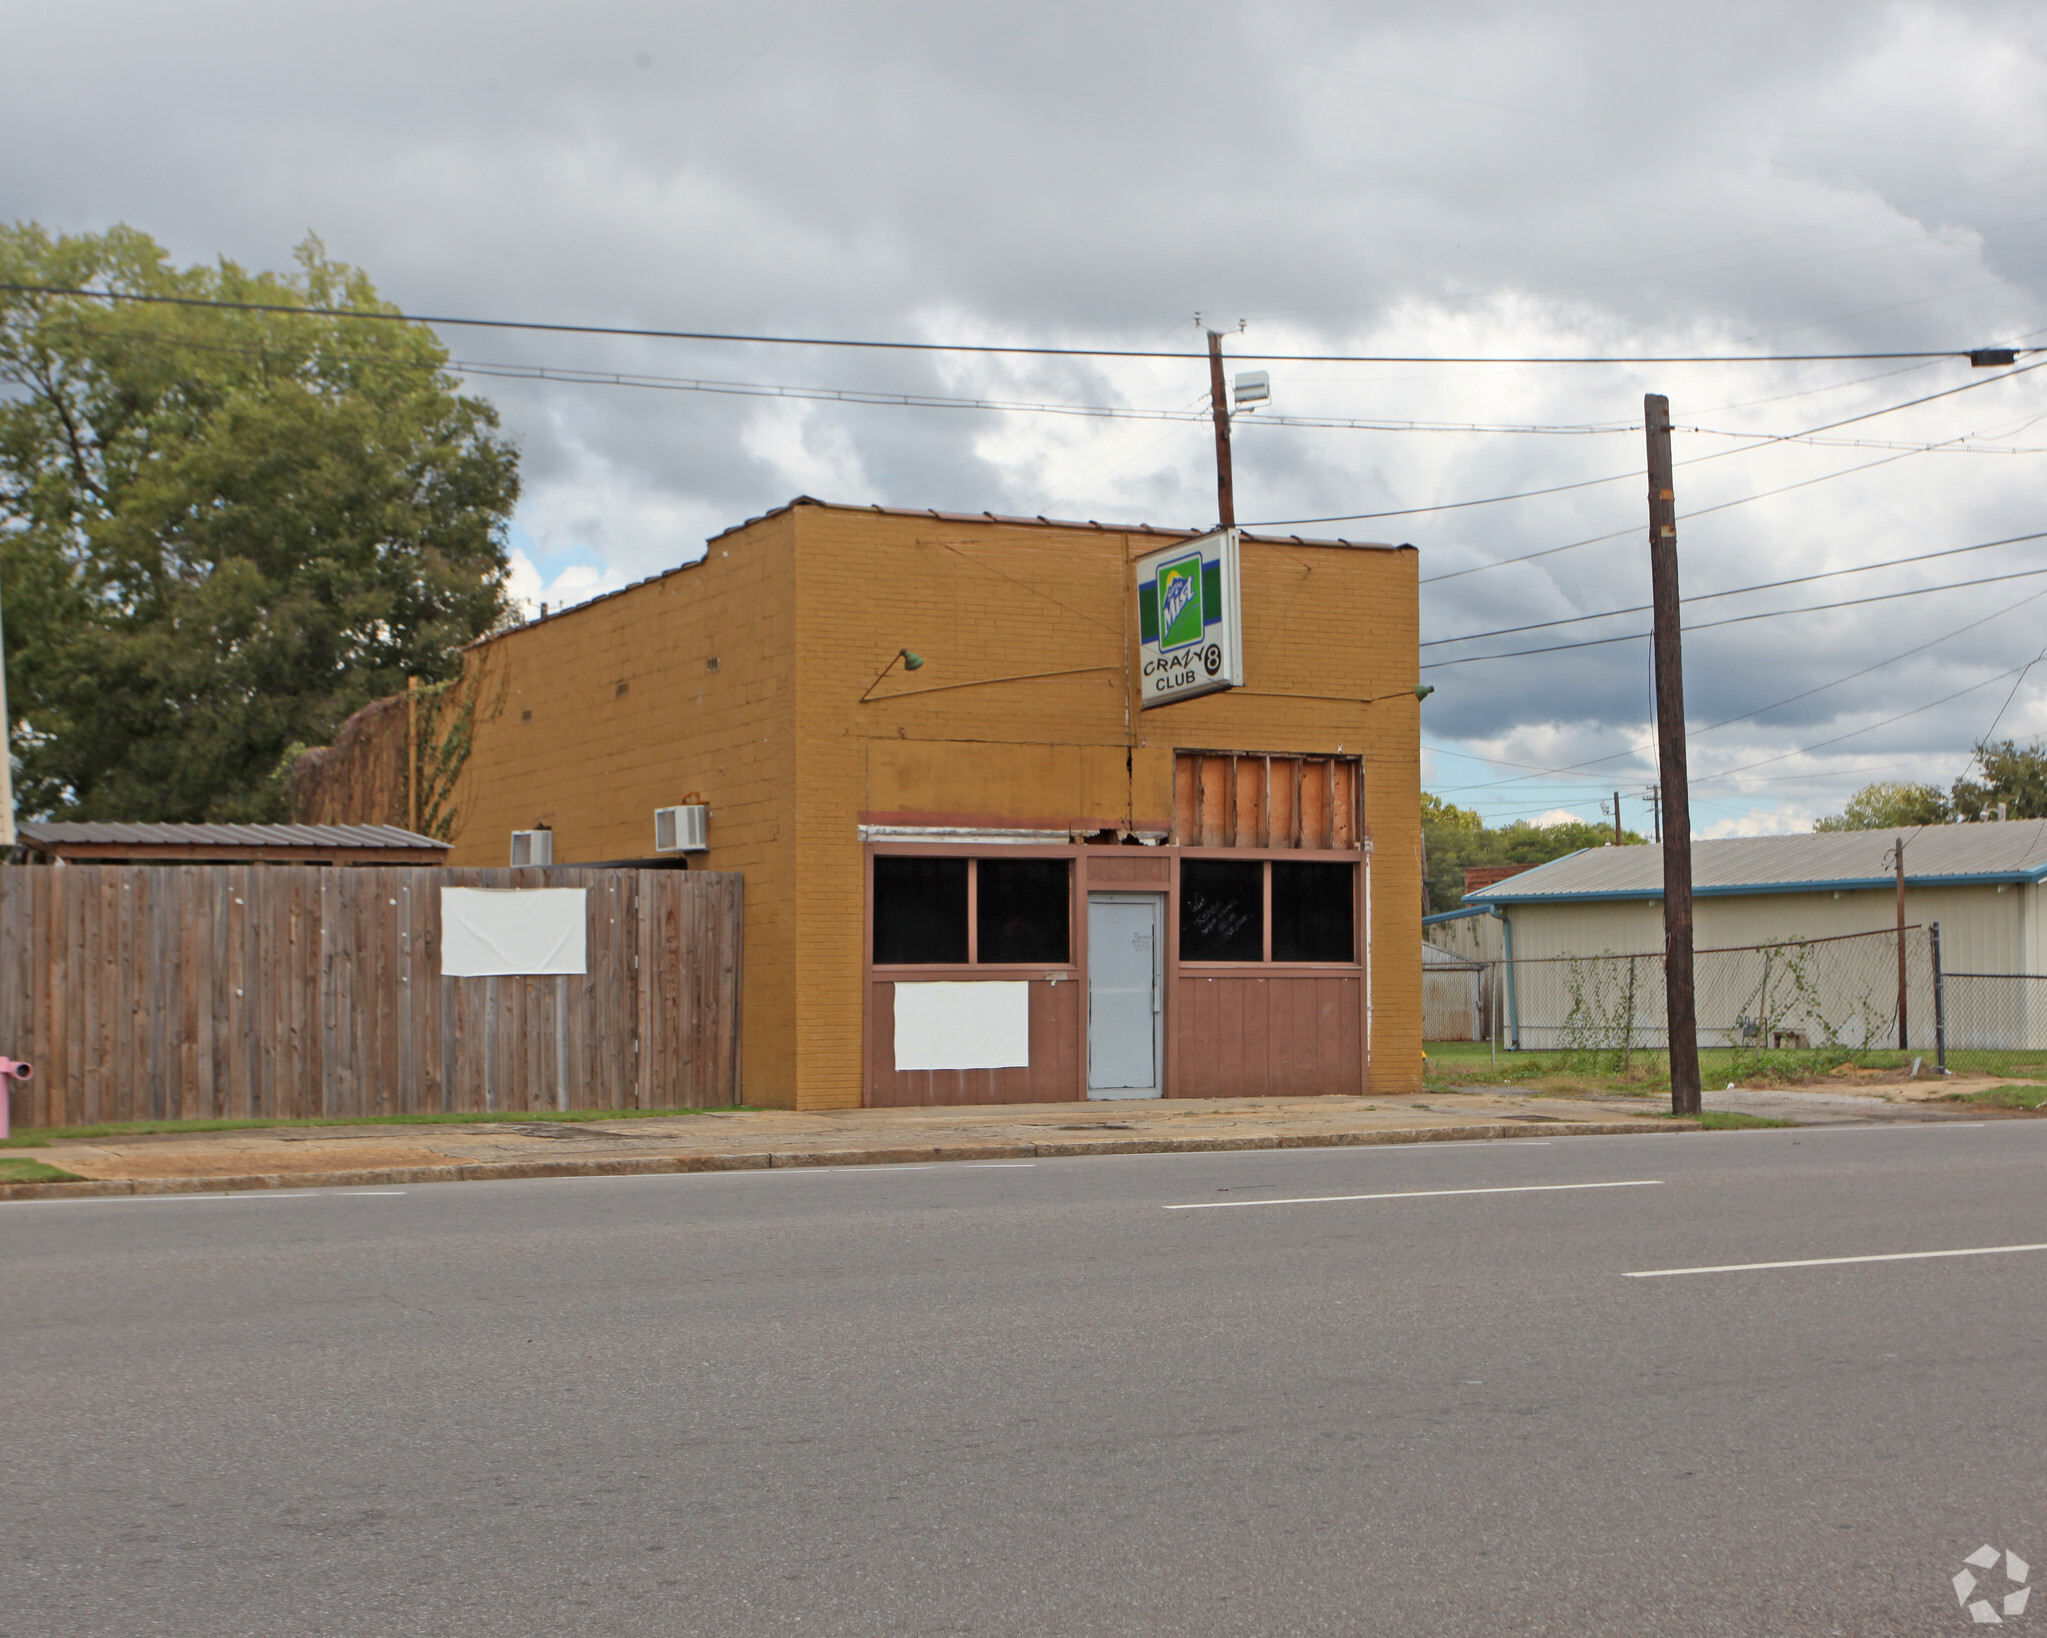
[(506, 1147)]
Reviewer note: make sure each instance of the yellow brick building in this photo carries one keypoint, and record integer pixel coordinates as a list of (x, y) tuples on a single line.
[(996, 813)]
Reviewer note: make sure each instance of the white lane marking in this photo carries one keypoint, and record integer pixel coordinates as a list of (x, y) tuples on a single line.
[(367, 1194), (1420, 1194), (1830, 1262)]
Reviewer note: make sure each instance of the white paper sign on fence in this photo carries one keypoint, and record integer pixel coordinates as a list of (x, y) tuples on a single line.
[(491, 932), (963, 1026)]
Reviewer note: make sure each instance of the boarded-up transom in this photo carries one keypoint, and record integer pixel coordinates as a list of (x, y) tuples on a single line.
[(1255, 800)]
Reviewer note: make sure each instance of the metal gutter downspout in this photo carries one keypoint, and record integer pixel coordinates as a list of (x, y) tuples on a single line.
[(1513, 1001)]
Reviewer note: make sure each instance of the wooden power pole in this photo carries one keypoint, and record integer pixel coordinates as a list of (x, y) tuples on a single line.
[(1676, 811), (1219, 401)]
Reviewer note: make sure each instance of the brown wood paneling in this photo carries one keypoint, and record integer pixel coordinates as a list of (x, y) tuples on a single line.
[(164, 992), (1142, 869), (1256, 800), (1264, 1035), (1057, 1011), (1247, 806)]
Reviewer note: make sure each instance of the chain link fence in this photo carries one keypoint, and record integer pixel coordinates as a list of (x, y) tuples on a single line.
[(1839, 996)]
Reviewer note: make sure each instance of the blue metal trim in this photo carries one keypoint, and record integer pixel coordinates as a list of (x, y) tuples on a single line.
[(1853, 884), (1457, 915)]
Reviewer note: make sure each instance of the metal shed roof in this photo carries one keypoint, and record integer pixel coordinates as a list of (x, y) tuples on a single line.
[(99, 833), (1934, 855)]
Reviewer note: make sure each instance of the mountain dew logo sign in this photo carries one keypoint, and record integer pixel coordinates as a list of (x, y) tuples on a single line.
[(1190, 625), (1179, 591)]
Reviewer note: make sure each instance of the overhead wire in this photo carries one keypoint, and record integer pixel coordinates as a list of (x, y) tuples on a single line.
[(1766, 440), (1692, 734), (1741, 619), (1738, 591), (396, 316)]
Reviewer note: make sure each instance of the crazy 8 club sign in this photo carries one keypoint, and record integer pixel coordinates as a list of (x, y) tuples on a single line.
[(1189, 620)]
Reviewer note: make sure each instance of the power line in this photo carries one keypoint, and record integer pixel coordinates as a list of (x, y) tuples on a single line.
[(1768, 439), (1741, 619), (912, 400), (1740, 716), (397, 317), (1852, 733), (1703, 511), (1737, 591)]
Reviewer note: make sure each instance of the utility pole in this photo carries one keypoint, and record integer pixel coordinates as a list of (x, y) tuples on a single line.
[(1898, 858), (1676, 810), (1654, 797), (1219, 402), (1616, 818)]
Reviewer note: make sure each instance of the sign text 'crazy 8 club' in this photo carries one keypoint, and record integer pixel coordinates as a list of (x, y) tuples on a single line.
[(1190, 620)]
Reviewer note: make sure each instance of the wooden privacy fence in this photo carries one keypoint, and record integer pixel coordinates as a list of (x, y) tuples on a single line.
[(151, 992)]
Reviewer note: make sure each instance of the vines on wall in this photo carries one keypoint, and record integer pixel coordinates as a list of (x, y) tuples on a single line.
[(399, 760)]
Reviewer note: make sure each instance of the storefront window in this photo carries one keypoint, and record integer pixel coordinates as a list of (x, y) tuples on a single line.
[(1222, 911), (1311, 911), (1021, 906), (920, 911)]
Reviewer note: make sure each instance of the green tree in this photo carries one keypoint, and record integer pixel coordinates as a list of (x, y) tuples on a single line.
[(220, 531), (1455, 837), (2013, 774), (1889, 805)]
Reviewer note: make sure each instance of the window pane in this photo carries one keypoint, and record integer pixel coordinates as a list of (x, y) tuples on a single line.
[(920, 911), (1222, 912), (1021, 906), (1311, 912)]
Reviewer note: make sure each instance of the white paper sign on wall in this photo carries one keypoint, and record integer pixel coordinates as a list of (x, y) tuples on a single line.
[(963, 1026), (495, 932)]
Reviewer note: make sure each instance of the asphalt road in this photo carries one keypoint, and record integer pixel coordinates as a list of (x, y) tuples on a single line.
[(1030, 1399)]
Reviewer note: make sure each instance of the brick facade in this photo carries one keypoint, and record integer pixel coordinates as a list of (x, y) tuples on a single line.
[(1024, 715)]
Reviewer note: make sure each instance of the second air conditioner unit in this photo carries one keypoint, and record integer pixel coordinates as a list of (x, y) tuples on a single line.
[(532, 847), (682, 830)]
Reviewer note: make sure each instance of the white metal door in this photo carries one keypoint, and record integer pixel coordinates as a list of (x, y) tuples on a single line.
[(1125, 994)]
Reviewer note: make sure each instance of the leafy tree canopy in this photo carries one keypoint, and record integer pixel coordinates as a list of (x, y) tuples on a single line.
[(1457, 837), (221, 532), (2013, 774), (1888, 805)]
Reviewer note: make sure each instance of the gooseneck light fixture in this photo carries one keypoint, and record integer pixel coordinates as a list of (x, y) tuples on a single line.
[(911, 662)]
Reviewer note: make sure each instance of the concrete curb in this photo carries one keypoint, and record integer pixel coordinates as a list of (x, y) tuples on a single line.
[(665, 1165)]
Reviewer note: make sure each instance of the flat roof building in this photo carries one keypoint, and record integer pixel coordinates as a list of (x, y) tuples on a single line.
[(978, 867)]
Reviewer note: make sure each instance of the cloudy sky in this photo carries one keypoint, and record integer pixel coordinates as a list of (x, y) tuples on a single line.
[(1498, 181)]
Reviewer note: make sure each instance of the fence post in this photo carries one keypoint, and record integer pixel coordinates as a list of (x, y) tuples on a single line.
[(1939, 1004), (1513, 1000), (1492, 1032)]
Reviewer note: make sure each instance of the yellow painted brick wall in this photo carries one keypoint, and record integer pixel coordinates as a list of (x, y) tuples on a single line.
[(1324, 628), (598, 716), (803, 608)]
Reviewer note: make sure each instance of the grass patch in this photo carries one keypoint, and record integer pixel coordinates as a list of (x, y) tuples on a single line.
[(1642, 1073), (38, 1137), (33, 1171), (2003, 1097)]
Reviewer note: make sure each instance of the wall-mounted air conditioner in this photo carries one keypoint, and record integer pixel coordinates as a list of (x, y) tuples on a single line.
[(682, 830), (532, 847)]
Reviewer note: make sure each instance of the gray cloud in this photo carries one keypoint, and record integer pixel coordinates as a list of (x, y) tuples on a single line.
[(1475, 178)]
